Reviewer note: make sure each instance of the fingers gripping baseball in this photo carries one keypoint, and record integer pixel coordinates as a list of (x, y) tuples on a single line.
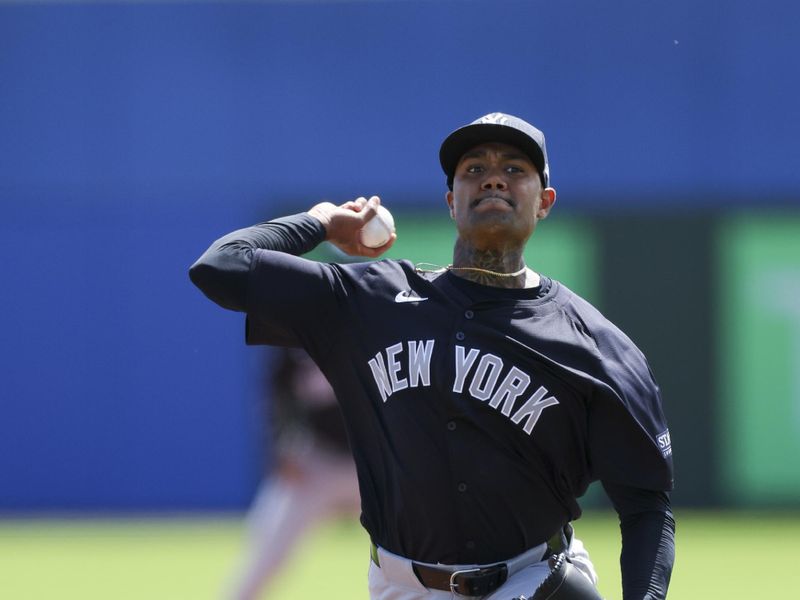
[(343, 224)]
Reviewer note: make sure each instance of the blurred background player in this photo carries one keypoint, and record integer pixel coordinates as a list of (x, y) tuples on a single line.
[(311, 479)]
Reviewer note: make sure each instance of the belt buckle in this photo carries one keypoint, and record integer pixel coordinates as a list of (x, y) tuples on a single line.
[(454, 574)]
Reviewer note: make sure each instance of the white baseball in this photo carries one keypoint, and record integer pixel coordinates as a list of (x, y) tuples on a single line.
[(378, 230)]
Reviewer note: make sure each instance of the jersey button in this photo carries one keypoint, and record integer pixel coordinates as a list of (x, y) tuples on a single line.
[(469, 314), (462, 487), (460, 336), (451, 425), (470, 545)]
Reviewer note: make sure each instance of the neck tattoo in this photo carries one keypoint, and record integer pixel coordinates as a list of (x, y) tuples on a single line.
[(488, 267)]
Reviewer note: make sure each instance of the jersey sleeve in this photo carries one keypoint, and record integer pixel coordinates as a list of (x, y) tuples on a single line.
[(648, 540), (292, 301), (222, 272), (629, 441)]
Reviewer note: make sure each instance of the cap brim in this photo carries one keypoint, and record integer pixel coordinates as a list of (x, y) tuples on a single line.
[(461, 140)]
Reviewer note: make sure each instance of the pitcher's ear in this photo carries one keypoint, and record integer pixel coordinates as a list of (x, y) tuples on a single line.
[(548, 199), (449, 199)]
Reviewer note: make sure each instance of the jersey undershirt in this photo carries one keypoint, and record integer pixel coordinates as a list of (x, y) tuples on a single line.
[(476, 415)]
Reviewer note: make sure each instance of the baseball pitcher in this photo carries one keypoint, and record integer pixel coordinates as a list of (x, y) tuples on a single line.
[(480, 399)]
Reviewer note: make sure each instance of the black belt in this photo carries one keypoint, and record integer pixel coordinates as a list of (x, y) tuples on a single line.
[(465, 582), (479, 581)]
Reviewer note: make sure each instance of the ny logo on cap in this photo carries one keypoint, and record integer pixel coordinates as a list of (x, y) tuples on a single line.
[(494, 119)]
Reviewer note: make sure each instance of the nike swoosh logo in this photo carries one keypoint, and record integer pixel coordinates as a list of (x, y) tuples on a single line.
[(408, 296)]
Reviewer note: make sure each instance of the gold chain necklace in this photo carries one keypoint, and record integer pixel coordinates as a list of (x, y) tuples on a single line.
[(439, 269)]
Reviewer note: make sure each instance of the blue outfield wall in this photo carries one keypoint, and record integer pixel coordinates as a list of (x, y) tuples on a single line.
[(133, 134)]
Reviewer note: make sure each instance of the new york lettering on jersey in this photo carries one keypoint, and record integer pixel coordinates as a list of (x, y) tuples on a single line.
[(483, 375)]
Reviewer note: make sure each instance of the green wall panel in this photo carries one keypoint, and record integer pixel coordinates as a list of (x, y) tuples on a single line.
[(759, 300)]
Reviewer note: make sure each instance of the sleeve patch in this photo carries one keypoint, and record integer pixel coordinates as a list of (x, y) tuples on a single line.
[(664, 443)]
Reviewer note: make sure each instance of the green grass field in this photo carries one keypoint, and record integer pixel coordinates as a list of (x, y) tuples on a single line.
[(726, 556)]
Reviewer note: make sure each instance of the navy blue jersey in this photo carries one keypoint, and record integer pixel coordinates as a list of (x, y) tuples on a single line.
[(476, 415)]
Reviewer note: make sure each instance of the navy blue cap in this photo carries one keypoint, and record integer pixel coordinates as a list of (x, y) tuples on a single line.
[(495, 127)]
